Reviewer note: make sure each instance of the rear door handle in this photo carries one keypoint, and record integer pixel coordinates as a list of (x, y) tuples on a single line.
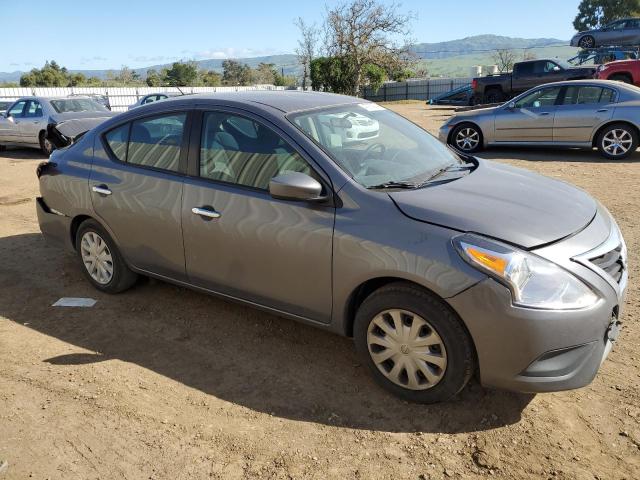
[(544, 113), (101, 189), (602, 110), (205, 212)]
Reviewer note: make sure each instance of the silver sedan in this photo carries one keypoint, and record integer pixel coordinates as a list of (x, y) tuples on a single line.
[(25, 121), (578, 113)]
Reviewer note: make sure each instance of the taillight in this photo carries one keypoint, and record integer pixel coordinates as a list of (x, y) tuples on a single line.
[(474, 83)]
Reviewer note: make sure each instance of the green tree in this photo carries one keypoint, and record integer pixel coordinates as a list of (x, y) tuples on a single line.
[(375, 76), (153, 78), (332, 74), (596, 13), (51, 75), (181, 74), (77, 79), (210, 78), (264, 74), (235, 73)]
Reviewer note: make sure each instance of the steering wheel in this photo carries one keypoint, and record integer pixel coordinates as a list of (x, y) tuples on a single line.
[(371, 147)]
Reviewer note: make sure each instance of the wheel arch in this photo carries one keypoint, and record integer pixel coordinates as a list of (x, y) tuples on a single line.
[(75, 225), (596, 134), (466, 122)]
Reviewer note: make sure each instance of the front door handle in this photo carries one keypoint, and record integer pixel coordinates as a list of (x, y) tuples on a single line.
[(205, 212), (101, 189), (602, 110), (542, 114)]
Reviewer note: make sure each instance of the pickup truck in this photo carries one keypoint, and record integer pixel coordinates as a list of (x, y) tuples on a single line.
[(627, 71), (526, 75)]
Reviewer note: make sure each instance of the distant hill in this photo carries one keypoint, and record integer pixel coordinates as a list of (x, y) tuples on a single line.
[(443, 58), (469, 45)]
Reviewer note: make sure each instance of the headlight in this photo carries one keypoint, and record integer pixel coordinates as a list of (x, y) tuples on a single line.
[(534, 282)]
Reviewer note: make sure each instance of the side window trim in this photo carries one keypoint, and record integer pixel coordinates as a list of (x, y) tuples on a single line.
[(193, 169), (184, 147)]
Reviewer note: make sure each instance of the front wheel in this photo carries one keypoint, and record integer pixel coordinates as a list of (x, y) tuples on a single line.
[(467, 138), (413, 344), (587, 42), (46, 147), (101, 260), (617, 141)]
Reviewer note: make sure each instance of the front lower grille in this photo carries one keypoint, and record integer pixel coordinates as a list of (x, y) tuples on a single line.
[(611, 262)]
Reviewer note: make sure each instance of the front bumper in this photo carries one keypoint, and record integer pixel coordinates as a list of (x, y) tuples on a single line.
[(443, 133), (531, 350)]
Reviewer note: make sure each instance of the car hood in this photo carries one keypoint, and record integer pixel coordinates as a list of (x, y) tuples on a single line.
[(502, 202), (473, 112)]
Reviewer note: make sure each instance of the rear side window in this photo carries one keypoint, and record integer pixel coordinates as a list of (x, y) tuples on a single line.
[(117, 141), (588, 95), (156, 142)]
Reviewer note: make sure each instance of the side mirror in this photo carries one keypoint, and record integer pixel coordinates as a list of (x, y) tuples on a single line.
[(9, 116), (295, 186), (556, 68), (511, 105)]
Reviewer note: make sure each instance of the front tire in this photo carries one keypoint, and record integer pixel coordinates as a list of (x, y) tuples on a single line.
[(101, 260), (494, 95), (617, 141), (413, 344), (587, 42), (46, 147), (467, 138)]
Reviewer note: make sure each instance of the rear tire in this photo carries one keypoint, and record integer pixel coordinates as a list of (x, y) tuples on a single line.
[(494, 95), (46, 147), (617, 141), (467, 138), (101, 260), (587, 42), (439, 336), (621, 77)]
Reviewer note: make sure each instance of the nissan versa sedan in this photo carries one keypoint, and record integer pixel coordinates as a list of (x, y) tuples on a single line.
[(578, 113), (438, 264), (25, 122)]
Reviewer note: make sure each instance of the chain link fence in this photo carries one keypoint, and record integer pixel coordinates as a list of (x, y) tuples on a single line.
[(424, 89)]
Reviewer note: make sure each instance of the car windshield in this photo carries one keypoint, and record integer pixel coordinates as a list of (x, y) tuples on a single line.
[(374, 145), (77, 105)]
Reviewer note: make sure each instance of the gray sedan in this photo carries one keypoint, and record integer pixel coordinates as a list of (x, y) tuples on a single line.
[(578, 113), (620, 32), (439, 265), (25, 121)]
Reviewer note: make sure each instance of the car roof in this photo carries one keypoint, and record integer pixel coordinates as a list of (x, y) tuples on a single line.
[(603, 83), (286, 101)]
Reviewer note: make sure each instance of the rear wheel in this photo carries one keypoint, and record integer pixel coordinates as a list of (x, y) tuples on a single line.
[(46, 147), (466, 138), (621, 77), (494, 95), (587, 42), (617, 141), (101, 261), (413, 344)]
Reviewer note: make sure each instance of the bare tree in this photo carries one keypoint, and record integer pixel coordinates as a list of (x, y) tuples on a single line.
[(367, 32), (504, 59), (307, 47)]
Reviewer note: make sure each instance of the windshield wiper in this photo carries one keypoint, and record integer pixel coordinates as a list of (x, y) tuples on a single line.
[(406, 185), (440, 171)]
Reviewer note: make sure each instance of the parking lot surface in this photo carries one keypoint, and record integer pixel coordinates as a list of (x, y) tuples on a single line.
[(162, 382)]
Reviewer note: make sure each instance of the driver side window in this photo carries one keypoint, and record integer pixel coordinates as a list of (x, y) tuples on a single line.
[(17, 109), (545, 97)]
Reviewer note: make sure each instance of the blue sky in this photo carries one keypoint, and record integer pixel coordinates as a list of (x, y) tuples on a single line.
[(97, 35)]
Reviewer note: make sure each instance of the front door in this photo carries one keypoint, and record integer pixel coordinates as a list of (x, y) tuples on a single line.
[(10, 124), (531, 119), (136, 189), (582, 109), (241, 242)]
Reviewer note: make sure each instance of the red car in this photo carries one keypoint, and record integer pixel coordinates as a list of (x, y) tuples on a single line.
[(627, 71)]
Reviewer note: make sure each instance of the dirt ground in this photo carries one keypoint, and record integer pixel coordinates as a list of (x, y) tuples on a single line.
[(164, 383)]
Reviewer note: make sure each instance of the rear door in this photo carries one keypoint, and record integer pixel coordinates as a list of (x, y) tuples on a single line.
[(632, 32), (32, 122), (581, 109), (275, 253), (531, 120), (136, 188)]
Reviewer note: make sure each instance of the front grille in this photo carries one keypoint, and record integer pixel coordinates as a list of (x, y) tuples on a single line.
[(611, 262)]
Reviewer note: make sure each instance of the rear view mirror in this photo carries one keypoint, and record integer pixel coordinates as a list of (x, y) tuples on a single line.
[(295, 186)]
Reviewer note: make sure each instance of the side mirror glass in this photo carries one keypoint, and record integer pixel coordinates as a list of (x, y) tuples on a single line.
[(295, 186), (511, 105)]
